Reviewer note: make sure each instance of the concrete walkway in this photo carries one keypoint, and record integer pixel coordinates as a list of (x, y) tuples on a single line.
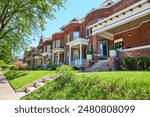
[(6, 91)]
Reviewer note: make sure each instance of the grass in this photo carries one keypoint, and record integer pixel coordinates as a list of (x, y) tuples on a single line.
[(18, 82), (97, 86)]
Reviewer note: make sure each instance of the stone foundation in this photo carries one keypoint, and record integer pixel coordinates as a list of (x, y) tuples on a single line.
[(113, 63)]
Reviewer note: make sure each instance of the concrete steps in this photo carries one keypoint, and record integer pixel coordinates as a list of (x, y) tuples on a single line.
[(100, 65), (35, 85)]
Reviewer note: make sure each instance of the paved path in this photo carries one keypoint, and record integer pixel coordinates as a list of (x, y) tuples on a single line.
[(6, 91)]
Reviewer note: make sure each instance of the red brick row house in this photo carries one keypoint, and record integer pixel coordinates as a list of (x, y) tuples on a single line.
[(125, 24)]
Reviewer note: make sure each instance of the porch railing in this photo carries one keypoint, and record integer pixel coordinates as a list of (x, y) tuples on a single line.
[(76, 62)]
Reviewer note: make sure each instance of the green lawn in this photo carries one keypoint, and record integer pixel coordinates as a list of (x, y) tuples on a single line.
[(24, 80), (97, 86)]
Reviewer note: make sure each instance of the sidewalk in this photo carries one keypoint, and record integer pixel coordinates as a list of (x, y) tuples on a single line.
[(6, 91)]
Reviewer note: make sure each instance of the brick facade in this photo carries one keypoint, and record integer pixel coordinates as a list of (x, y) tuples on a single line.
[(132, 38), (145, 52), (138, 37)]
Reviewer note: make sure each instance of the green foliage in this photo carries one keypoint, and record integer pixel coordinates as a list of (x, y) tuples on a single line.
[(3, 64), (21, 20), (89, 52), (75, 68), (13, 67), (66, 72), (39, 68), (97, 86), (143, 63), (20, 78), (10, 75), (113, 47), (129, 61), (52, 66)]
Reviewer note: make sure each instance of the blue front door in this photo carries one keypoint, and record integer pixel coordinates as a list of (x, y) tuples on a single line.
[(103, 49)]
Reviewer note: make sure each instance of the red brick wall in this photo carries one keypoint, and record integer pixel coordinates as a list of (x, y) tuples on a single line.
[(58, 36), (135, 53), (105, 12), (69, 30), (139, 36), (96, 39)]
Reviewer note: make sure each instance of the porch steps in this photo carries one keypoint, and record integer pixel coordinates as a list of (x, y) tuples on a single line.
[(100, 65), (35, 85)]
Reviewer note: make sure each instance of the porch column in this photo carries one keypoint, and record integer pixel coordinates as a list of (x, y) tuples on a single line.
[(35, 63), (53, 57), (69, 55), (58, 57), (80, 54)]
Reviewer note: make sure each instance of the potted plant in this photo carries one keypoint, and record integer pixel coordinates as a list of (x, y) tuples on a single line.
[(112, 51), (89, 55)]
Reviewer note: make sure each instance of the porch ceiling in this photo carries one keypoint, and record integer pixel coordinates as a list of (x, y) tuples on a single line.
[(77, 42), (38, 57), (131, 25), (56, 50), (136, 14)]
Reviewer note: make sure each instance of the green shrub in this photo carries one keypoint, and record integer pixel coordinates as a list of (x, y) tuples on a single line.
[(52, 66), (89, 52), (129, 61), (13, 67), (3, 65), (39, 68), (12, 74), (113, 47), (75, 68), (143, 63), (66, 71)]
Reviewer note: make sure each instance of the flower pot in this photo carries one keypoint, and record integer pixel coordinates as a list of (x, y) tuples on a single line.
[(89, 57), (112, 53)]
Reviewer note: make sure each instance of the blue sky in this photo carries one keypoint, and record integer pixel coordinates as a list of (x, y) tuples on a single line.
[(73, 8)]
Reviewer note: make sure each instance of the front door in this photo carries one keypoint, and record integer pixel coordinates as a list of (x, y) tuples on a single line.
[(103, 48)]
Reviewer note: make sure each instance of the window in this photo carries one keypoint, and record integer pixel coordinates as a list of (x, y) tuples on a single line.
[(88, 32), (75, 54), (68, 38), (91, 47), (48, 48), (53, 44), (75, 35), (67, 56), (40, 51), (58, 44)]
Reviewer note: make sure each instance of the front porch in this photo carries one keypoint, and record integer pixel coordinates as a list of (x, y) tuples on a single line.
[(128, 28), (46, 59), (58, 56), (77, 52)]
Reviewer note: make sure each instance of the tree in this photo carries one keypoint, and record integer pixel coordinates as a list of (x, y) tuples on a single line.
[(21, 19)]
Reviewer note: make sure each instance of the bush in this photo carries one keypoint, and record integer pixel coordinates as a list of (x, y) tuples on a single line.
[(13, 67), (75, 68), (89, 52), (52, 66), (12, 74), (113, 47), (20, 65), (66, 72), (3, 65), (129, 63), (143, 63), (39, 68)]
